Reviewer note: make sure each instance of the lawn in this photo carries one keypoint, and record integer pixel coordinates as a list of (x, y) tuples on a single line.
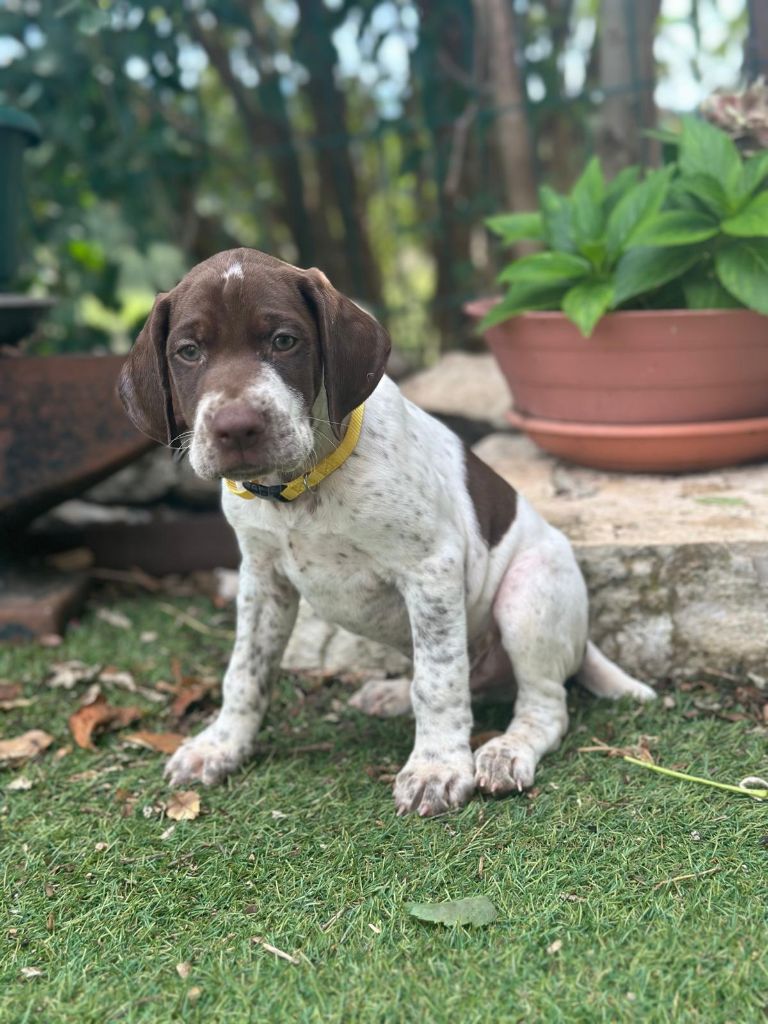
[(622, 895)]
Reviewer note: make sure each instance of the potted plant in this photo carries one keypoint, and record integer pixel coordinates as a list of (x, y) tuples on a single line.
[(637, 338)]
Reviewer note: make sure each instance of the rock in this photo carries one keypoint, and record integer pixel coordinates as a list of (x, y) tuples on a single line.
[(154, 478), (462, 385)]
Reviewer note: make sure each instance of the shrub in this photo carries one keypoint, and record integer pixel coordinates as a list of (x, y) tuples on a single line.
[(693, 234)]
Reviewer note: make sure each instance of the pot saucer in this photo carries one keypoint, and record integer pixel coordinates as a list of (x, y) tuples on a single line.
[(655, 448)]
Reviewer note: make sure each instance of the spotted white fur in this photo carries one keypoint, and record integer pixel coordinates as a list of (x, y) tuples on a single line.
[(293, 438), (389, 547)]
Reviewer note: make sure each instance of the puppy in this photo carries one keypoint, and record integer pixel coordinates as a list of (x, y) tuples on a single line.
[(343, 492)]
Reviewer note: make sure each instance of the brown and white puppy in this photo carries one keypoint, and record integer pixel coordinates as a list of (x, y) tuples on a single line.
[(412, 541)]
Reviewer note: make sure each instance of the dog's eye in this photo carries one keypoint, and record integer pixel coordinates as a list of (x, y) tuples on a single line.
[(283, 342), (191, 353)]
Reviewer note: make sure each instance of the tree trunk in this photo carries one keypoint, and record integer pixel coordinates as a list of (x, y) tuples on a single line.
[(267, 128), (446, 41), (756, 45), (495, 20), (358, 268), (627, 79)]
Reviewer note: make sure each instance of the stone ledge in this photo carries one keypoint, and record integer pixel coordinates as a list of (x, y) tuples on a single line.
[(677, 567)]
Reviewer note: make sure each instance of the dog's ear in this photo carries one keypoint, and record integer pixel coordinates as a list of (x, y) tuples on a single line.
[(354, 346), (144, 384)]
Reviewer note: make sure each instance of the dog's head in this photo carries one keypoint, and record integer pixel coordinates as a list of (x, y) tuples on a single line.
[(241, 355)]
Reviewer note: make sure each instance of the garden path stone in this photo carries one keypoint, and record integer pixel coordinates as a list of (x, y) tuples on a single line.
[(677, 567)]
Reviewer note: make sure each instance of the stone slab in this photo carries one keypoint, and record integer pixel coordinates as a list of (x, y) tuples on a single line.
[(596, 508)]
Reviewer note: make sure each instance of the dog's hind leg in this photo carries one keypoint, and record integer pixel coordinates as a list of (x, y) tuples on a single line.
[(541, 612)]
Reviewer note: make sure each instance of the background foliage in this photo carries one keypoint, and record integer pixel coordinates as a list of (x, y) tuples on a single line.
[(369, 137)]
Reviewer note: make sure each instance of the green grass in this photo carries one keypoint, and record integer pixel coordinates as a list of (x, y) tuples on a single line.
[(304, 850)]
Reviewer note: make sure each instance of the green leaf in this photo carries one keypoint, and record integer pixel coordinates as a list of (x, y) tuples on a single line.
[(705, 149), (674, 227), (523, 298), (512, 227), (743, 271), (665, 135), (587, 197), (704, 291), (585, 304), (633, 209), (709, 192), (476, 910), (620, 185), (752, 221), (643, 270), (556, 214), (755, 172), (545, 268)]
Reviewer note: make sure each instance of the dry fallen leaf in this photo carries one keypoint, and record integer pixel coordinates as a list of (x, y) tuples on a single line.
[(190, 693), (98, 715), (29, 744), (162, 742), (555, 947), (113, 618), (183, 806), (184, 970), (20, 783), (111, 676), (194, 993), (31, 972), (67, 674), (9, 691)]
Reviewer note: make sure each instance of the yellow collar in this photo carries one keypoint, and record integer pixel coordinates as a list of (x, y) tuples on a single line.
[(308, 481)]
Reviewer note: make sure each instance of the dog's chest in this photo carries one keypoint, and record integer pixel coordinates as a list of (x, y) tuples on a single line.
[(344, 585)]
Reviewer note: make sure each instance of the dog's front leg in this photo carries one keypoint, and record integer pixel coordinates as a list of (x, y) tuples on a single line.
[(438, 775), (266, 613)]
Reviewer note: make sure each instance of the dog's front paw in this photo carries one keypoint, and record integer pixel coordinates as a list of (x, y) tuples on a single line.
[(433, 787), (383, 698), (505, 764), (208, 758)]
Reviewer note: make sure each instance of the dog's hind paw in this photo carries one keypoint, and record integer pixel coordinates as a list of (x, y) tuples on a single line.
[(504, 765), (383, 698), (209, 758)]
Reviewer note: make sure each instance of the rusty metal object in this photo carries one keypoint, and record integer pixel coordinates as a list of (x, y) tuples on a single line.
[(172, 541), (61, 429), (19, 315), (38, 602)]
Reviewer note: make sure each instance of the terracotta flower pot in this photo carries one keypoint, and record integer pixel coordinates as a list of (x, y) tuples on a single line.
[(651, 366)]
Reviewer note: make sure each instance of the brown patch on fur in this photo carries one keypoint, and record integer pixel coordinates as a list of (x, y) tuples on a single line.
[(494, 499), (233, 320)]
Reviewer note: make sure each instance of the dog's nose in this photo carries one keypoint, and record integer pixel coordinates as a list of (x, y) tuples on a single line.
[(237, 426)]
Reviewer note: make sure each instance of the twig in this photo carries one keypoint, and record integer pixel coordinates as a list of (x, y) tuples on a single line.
[(273, 949), (135, 577), (683, 878), (332, 920), (189, 620)]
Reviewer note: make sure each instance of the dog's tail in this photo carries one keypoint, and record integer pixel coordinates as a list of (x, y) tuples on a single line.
[(602, 677)]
